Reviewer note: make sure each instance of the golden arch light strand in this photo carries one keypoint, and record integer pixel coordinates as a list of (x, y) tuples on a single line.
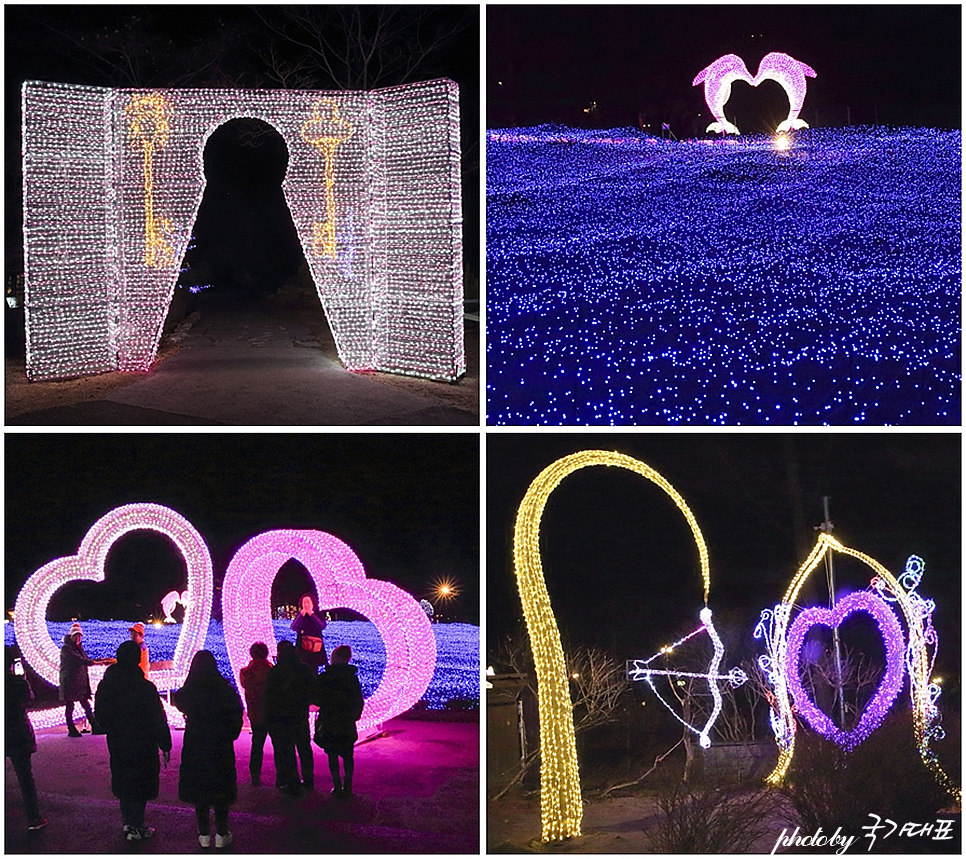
[(560, 799), (113, 180)]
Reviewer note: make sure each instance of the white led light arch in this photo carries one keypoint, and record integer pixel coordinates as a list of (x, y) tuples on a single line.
[(113, 180)]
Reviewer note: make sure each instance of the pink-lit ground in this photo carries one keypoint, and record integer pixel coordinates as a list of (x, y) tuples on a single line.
[(416, 791)]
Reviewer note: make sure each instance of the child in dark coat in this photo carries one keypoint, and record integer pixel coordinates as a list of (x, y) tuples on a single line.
[(340, 706)]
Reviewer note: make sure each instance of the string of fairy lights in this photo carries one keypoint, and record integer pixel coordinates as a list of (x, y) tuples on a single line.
[(340, 579), (788, 72), (636, 281), (560, 798), (341, 582), (113, 180)]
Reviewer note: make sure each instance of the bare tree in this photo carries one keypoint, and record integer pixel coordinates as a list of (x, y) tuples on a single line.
[(859, 679), (132, 51), (597, 689), (356, 47)]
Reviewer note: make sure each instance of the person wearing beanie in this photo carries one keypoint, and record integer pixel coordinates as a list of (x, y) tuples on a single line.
[(75, 684), (213, 720), (340, 707), (129, 708), (137, 636), (19, 741), (253, 677)]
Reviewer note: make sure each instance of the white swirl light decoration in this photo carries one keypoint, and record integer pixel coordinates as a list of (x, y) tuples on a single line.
[(98, 287), (30, 611), (920, 660), (788, 72), (341, 582)]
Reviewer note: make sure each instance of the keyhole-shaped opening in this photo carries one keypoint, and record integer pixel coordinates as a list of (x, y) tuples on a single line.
[(244, 253)]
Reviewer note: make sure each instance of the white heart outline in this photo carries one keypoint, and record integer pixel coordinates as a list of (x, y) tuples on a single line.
[(30, 611)]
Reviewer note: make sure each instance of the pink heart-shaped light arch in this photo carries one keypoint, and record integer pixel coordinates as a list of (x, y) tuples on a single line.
[(30, 611), (788, 72), (341, 583), (889, 686)]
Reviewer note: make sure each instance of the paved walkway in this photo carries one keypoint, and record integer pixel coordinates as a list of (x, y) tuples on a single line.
[(416, 790), (255, 364)]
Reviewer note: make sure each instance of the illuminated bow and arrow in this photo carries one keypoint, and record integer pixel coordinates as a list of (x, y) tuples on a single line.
[(639, 669)]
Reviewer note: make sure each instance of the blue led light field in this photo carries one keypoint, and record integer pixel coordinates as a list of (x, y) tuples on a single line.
[(640, 281), (456, 678)]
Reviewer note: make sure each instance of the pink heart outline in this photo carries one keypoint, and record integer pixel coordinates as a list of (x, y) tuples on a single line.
[(30, 611), (341, 582), (788, 72), (889, 686)]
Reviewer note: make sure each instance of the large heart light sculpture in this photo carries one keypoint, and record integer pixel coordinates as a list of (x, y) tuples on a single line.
[(889, 686), (341, 583), (30, 612), (724, 71)]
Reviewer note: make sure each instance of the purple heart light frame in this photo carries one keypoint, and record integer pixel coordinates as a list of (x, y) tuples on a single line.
[(889, 686)]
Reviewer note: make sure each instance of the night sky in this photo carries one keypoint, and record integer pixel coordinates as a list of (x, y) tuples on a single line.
[(620, 562), (407, 504), (889, 64), (244, 228)]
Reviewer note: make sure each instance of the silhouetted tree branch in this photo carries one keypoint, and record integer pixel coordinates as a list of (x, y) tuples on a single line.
[(356, 47)]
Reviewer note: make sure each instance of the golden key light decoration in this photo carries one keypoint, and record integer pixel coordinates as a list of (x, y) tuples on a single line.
[(326, 130), (98, 285), (148, 129), (560, 800)]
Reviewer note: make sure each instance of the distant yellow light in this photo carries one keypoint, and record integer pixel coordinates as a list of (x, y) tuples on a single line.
[(782, 142), (445, 589)]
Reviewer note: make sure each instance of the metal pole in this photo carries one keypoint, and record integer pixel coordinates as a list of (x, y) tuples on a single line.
[(830, 569)]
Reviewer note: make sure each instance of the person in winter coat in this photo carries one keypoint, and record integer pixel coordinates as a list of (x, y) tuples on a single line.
[(289, 690), (213, 720), (309, 624), (253, 677), (75, 685), (129, 709), (340, 706), (19, 741)]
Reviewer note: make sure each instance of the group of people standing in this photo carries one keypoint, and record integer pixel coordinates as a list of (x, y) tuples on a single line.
[(75, 684), (128, 709), (278, 699)]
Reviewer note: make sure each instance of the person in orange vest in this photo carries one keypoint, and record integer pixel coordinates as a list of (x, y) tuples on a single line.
[(137, 636)]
